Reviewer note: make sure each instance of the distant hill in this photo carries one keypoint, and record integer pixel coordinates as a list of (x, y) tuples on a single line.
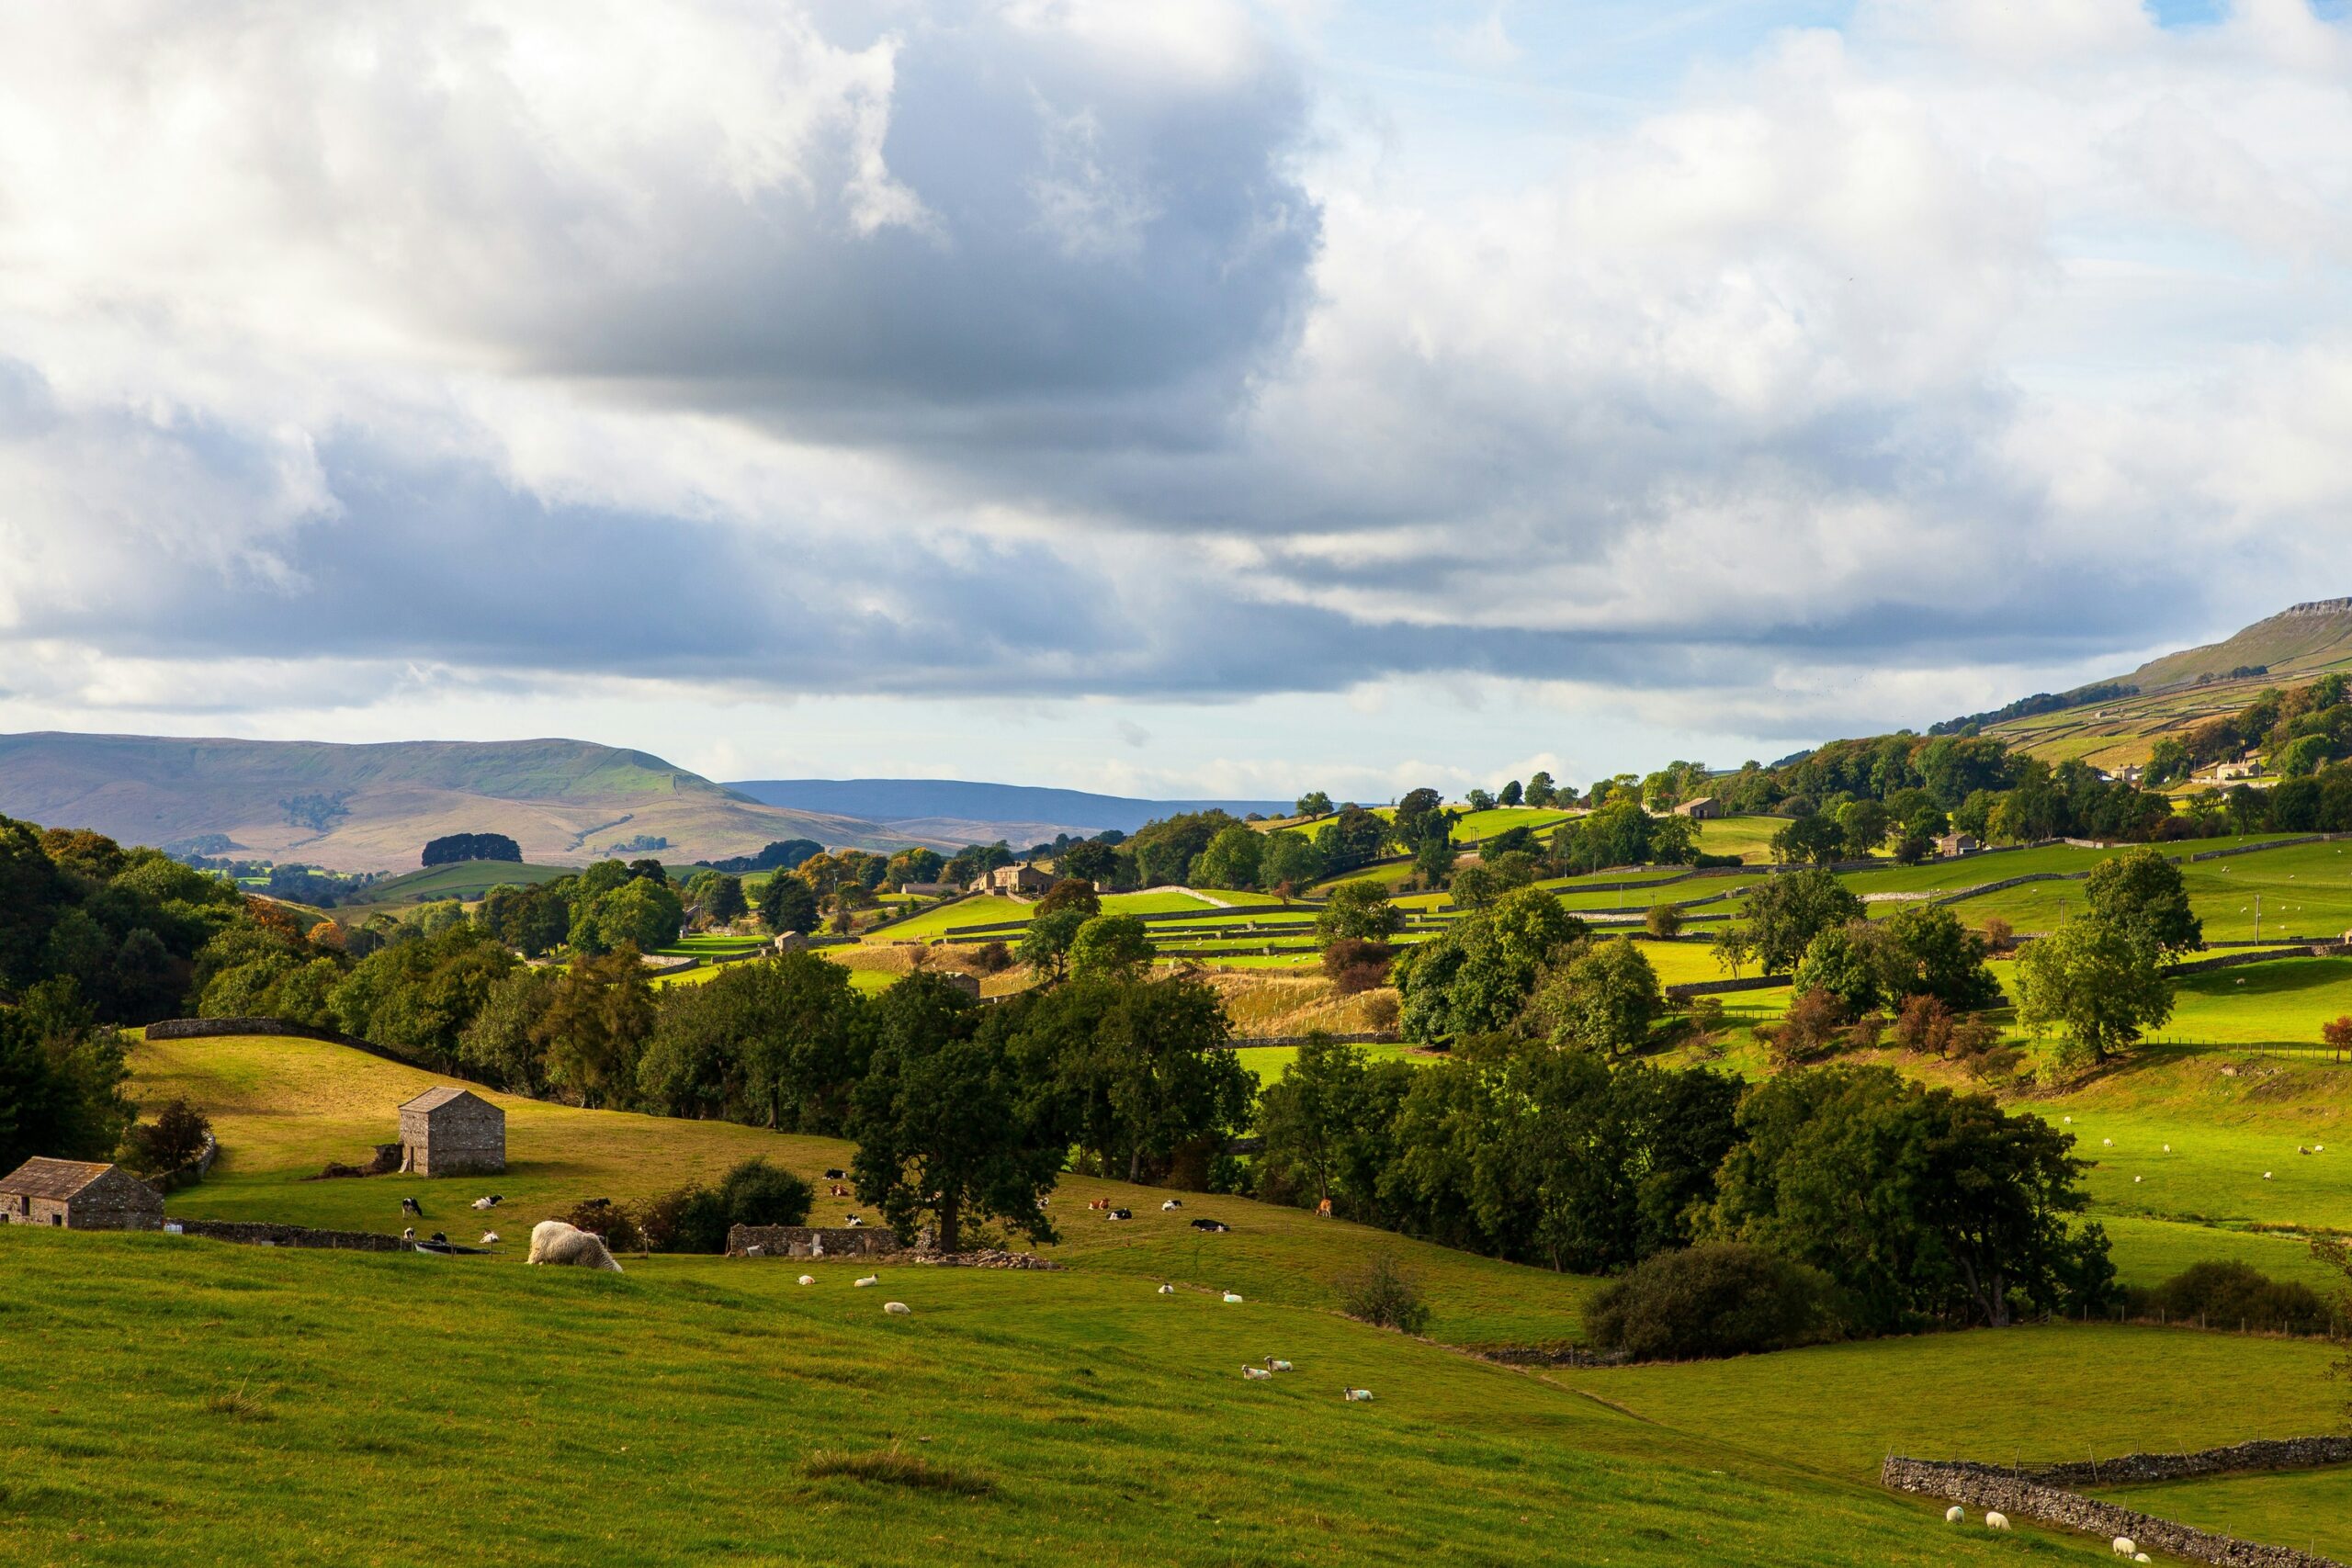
[(2307, 639), (974, 813), (372, 807)]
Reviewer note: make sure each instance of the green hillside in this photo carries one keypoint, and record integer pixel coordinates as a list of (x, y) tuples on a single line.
[(2306, 640)]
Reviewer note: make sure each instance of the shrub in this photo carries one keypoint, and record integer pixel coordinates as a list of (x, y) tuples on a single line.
[(1381, 1010), (2000, 936), (1663, 920), (2231, 1294), (2337, 1035), (1923, 1026), (993, 958), (608, 1219), (1865, 1032), (1813, 1029), (1718, 1299), (1353, 964), (697, 1218), (1385, 1293), (171, 1141)]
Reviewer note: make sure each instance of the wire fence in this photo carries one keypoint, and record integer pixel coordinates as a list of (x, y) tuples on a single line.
[(2289, 1050)]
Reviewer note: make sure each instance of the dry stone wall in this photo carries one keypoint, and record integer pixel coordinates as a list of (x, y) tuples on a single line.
[(2042, 1497), (258, 1235), (804, 1241)]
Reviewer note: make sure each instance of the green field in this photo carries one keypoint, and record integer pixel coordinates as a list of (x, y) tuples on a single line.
[(1271, 1061), (1475, 827), (985, 909), (2309, 1509), (466, 879)]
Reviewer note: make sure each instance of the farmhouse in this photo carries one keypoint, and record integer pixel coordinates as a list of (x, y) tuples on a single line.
[(1706, 809), (1958, 844), (2246, 767), (1017, 880), (451, 1132), (79, 1195)]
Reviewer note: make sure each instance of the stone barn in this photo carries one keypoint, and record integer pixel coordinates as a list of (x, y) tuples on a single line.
[(79, 1195), (452, 1132)]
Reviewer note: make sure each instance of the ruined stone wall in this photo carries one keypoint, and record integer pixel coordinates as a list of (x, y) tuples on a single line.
[(2024, 1496), (799, 1240), (259, 1235)]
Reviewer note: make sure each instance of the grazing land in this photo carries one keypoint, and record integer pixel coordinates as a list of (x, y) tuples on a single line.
[(2309, 1510)]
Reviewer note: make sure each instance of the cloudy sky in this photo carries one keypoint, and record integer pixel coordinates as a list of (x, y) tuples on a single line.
[(1174, 396)]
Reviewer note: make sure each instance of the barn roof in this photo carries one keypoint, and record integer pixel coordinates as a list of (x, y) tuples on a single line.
[(59, 1179), (447, 1094)]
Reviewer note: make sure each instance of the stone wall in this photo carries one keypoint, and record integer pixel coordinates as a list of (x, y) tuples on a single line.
[(800, 1241), (258, 1235), (208, 1028), (2024, 1496)]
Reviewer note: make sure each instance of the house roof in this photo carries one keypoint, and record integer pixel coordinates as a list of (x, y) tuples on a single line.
[(39, 1178), (447, 1094)]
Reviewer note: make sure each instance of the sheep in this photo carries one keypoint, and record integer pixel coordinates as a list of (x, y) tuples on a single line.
[(411, 1206), (2142, 1557), (869, 1280), (485, 1202), (1171, 1206), (1997, 1520), (1954, 1514), (2070, 1120), (1255, 1374), (1356, 1396), (2167, 1148), (807, 1279), (1231, 1299), (2124, 1546), (1166, 1290), (2135, 1181), (488, 1238), (2300, 1150), (2266, 1176), (1273, 1365), (2106, 1143), (552, 1241), (898, 1309)]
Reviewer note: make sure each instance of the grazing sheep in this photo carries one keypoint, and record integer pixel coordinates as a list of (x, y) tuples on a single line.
[(896, 1309), (488, 1238), (1997, 1520), (552, 1241), (1171, 1206), (2124, 1546), (2142, 1557), (1166, 1290), (2167, 1148), (2106, 1143), (2300, 1150), (2070, 1120), (411, 1206), (1273, 1365), (2135, 1181), (1231, 1299), (1356, 1396), (869, 1280), (1954, 1514), (1255, 1374), (2266, 1176)]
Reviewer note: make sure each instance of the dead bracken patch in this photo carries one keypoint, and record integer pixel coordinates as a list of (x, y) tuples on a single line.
[(238, 1406), (890, 1467)]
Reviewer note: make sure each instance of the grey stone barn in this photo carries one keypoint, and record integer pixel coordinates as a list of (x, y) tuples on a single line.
[(79, 1195), (452, 1132)]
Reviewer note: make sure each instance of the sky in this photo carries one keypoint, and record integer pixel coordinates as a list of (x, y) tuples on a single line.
[(1174, 397)]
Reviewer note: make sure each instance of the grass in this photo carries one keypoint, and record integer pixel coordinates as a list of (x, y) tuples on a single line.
[(423, 1410), (985, 909), (1269, 1063), (465, 880), (2309, 1509), (1474, 827)]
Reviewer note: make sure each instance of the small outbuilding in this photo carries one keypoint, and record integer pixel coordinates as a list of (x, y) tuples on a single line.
[(80, 1195), (452, 1132), (1706, 809), (1957, 844), (791, 942)]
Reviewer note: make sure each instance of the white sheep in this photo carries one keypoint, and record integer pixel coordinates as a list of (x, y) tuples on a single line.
[(1997, 1520), (807, 1279), (2124, 1546), (1356, 1396), (1954, 1514), (2266, 1176), (552, 1241), (2167, 1148), (1275, 1364), (1232, 1300), (488, 1238), (2106, 1143), (896, 1309), (1255, 1374), (869, 1280), (2135, 1181), (2142, 1557), (1166, 1290), (1171, 1206)]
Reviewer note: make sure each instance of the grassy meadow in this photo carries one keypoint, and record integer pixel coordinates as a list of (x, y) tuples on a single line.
[(2311, 1510)]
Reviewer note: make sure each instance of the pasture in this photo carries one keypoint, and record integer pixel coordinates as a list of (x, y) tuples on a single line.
[(465, 880), (2308, 1510)]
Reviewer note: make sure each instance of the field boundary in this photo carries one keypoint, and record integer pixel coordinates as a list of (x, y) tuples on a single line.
[(213, 1028), (2043, 1496)]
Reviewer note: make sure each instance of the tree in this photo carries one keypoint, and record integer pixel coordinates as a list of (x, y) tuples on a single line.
[(1232, 859), (1540, 791), (61, 1079), (1509, 795), (2338, 1036), (787, 904), (1734, 949), (1434, 859), (1359, 910), (1663, 920), (2097, 980), (1927, 951), (1475, 887), (170, 1142), (1604, 998), (642, 913), (1922, 1204), (2168, 762), (1140, 1068), (597, 1021), (1353, 838), (455, 847), (1110, 947), (1842, 962), (1817, 839), (1865, 824), (1314, 803), (1089, 860), (1475, 977), (1479, 800), (1288, 857), (1674, 840), (1070, 893), (779, 1043), (2141, 893), (946, 1120), (725, 902), (1420, 817), (1787, 912), (914, 864), (1046, 940)]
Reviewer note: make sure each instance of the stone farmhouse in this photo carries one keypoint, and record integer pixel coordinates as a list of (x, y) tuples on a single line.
[(1958, 844), (80, 1195), (452, 1132), (1018, 881)]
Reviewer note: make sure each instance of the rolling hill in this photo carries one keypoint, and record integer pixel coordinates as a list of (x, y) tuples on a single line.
[(372, 807), (2306, 640), (965, 812)]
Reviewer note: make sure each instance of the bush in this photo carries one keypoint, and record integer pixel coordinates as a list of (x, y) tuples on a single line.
[(1923, 1026), (2231, 1294), (2000, 936), (1385, 1293), (1720, 1299), (696, 1218), (1663, 920), (609, 1220), (1815, 1028), (1353, 964), (168, 1143), (994, 958)]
